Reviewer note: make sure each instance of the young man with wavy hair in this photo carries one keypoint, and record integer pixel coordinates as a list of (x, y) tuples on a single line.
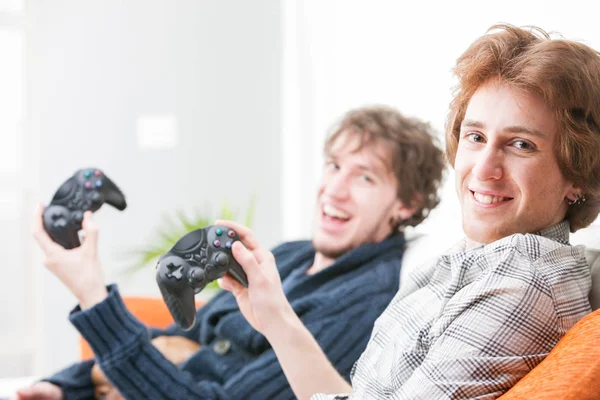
[(523, 136), (382, 174)]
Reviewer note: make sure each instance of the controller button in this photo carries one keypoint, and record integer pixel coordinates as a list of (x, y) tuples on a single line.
[(219, 232), (88, 185), (99, 183), (217, 243), (222, 346), (87, 174), (78, 216), (231, 234), (96, 197), (196, 276), (221, 260), (98, 172), (228, 244)]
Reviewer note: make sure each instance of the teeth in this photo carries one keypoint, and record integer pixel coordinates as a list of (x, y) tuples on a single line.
[(485, 199), (331, 211)]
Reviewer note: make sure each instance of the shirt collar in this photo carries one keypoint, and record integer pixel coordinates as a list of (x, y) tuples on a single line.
[(558, 232), (458, 252)]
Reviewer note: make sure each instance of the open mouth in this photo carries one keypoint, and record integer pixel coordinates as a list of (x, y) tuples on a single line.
[(487, 199), (334, 214)]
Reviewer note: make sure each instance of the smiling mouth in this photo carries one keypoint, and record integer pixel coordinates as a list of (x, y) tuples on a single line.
[(488, 199), (332, 212)]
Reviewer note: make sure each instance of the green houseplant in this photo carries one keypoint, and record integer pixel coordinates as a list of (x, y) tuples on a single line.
[(173, 227)]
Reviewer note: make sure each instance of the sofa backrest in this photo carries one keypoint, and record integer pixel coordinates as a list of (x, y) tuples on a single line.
[(593, 258)]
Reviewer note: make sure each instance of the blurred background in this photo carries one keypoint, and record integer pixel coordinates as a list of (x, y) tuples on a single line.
[(199, 108)]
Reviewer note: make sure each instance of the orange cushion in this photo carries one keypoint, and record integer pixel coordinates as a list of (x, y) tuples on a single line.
[(152, 311), (571, 370)]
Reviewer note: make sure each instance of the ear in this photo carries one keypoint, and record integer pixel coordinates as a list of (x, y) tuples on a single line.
[(402, 212), (574, 192)]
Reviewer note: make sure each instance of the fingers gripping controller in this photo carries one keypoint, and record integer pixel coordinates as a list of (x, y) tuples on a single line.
[(86, 190), (198, 258)]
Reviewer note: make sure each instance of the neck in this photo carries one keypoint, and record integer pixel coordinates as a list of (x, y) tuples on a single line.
[(470, 244), (321, 262)]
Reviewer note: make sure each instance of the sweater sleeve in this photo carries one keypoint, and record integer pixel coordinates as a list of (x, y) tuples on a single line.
[(75, 381), (125, 354)]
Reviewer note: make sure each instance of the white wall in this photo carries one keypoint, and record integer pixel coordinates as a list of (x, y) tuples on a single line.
[(93, 67)]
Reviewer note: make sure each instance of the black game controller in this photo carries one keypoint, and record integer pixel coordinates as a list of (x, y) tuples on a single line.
[(86, 190), (199, 257)]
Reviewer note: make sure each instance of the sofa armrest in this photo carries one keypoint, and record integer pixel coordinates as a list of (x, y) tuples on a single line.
[(570, 371)]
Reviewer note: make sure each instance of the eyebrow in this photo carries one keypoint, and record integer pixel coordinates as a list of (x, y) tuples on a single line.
[(469, 123), (378, 167)]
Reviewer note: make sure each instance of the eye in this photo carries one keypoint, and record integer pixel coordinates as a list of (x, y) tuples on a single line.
[(366, 178), (474, 137), (523, 145), (331, 165)]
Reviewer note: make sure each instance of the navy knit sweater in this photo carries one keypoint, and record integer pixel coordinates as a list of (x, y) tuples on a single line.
[(338, 305)]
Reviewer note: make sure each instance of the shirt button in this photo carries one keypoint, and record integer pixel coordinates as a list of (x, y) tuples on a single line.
[(222, 346)]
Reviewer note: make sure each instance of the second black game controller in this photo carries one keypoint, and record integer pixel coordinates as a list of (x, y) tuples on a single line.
[(86, 190), (199, 257)]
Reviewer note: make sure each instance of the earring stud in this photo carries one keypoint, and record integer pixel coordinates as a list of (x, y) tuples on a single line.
[(578, 200)]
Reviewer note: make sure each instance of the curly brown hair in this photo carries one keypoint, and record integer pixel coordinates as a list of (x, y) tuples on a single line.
[(566, 75), (416, 160)]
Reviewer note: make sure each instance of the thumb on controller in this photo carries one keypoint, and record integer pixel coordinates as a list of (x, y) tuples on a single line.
[(90, 228)]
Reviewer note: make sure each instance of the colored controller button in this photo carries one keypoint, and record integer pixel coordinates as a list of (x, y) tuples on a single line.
[(219, 232), (228, 244), (217, 243), (87, 174), (99, 183), (231, 234), (88, 185), (98, 173)]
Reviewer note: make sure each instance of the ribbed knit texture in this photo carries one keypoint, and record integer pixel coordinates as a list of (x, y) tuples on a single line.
[(338, 305)]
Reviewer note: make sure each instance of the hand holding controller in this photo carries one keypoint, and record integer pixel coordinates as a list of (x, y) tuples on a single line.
[(199, 257), (86, 190)]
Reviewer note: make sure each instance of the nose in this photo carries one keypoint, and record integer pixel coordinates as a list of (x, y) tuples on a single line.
[(488, 164), (337, 185)]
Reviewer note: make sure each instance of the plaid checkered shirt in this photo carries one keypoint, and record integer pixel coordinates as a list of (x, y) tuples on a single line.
[(474, 322)]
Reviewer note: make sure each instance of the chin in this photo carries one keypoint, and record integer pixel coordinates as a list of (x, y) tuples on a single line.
[(484, 235), (329, 251), (329, 247)]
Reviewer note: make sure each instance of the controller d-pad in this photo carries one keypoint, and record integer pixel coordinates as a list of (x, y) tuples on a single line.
[(175, 271), (60, 223), (56, 216)]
